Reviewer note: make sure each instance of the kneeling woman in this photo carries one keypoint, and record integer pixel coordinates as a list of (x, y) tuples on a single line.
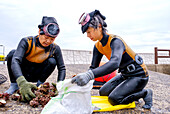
[(129, 85), (35, 59)]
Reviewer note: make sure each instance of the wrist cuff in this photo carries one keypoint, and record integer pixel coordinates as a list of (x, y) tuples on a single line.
[(20, 80), (91, 74)]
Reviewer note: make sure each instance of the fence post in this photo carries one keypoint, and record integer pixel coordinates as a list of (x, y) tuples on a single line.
[(156, 55)]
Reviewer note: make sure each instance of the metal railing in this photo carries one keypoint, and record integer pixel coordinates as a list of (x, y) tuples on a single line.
[(157, 56)]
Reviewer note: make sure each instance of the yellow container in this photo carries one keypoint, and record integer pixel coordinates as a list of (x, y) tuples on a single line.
[(2, 58)]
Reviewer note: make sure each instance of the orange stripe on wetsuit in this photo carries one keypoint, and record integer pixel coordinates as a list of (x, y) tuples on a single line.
[(36, 54), (106, 50)]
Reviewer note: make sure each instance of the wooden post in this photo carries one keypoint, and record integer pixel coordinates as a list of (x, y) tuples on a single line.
[(156, 55)]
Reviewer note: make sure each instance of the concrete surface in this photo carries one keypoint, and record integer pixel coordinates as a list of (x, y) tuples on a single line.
[(158, 82), (162, 68)]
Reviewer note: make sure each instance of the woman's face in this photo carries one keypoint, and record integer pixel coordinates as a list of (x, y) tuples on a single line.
[(94, 34), (46, 40)]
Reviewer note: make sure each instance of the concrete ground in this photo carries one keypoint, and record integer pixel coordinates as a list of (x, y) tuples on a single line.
[(158, 82)]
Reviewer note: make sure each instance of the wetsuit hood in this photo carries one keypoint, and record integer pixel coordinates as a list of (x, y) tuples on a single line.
[(46, 20), (92, 14), (49, 26)]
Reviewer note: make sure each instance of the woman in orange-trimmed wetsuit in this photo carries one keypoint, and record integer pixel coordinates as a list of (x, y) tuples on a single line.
[(129, 85), (35, 59)]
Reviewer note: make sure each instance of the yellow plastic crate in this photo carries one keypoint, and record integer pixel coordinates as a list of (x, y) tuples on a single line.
[(2, 58)]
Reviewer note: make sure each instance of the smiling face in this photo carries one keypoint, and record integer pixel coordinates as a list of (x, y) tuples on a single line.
[(94, 34), (45, 40)]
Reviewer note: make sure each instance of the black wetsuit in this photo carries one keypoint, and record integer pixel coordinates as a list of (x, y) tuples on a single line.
[(128, 85), (35, 62)]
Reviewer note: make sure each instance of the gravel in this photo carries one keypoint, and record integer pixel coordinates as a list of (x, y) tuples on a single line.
[(158, 82)]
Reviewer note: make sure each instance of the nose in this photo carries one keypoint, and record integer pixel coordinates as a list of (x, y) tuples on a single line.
[(48, 40)]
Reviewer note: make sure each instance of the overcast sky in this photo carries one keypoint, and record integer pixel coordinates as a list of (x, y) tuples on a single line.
[(142, 24)]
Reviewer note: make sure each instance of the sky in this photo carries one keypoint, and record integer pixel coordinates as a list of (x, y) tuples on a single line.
[(143, 24)]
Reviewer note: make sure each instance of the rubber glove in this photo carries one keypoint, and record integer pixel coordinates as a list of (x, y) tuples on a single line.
[(25, 88), (56, 91), (83, 78)]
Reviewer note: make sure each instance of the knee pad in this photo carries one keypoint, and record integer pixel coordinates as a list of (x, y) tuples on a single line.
[(10, 55), (52, 61), (113, 99), (103, 92)]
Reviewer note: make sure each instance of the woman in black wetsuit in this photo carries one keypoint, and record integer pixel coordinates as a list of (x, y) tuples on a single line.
[(35, 59), (129, 85)]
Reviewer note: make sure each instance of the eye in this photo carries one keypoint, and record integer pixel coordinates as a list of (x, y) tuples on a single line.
[(46, 37), (88, 32), (52, 39)]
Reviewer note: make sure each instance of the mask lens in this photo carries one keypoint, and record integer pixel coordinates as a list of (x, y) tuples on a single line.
[(52, 30), (84, 19)]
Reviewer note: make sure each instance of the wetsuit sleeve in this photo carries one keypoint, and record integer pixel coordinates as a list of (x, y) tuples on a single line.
[(97, 56), (60, 64), (18, 57), (118, 48)]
